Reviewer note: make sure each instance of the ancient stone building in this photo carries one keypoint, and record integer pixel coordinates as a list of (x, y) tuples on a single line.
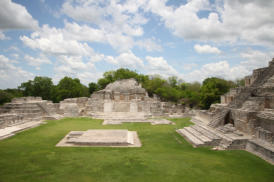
[(243, 120), (127, 99), (121, 101)]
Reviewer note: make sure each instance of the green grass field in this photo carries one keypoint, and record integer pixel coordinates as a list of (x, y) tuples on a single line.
[(165, 156)]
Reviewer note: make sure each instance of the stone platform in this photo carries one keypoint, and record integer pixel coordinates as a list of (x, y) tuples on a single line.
[(100, 138), (151, 121), (12, 130)]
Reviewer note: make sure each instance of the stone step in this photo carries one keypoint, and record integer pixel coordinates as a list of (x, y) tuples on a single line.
[(24, 111), (205, 132), (213, 131), (199, 135), (190, 137)]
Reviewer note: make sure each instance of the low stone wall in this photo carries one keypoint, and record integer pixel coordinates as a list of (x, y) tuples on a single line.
[(203, 115), (261, 151)]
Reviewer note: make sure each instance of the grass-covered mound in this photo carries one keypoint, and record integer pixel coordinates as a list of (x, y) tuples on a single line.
[(165, 156)]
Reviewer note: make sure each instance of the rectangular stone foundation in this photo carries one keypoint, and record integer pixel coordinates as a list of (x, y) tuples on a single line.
[(101, 138)]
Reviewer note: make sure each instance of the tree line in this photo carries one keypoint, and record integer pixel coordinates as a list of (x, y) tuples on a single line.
[(194, 95)]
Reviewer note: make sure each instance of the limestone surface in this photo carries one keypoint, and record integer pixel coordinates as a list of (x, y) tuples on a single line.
[(243, 120), (96, 138)]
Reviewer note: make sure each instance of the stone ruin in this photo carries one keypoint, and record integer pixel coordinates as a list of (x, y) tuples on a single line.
[(127, 101), (243, 120), (121, 101), (100, 138)]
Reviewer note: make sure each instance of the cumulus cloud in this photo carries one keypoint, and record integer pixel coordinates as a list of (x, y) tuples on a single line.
[(158, 65), (149, 45), (38, 61), (220, 69), (117, 23), (255, 59), (252, 59), (2, 36), (126, 60), (226, 21), (11, 75), (15, 16), (53, 41), (206, 49), (189, 66), (75, 67)]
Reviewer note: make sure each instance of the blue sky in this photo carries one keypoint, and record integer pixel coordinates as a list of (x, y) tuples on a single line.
[(190, 39)]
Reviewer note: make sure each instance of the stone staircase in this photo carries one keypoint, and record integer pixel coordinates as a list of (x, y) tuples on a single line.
[(201, 134), (218, 118), (15, 113)]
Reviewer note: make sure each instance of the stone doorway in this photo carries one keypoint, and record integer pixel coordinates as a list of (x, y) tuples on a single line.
[(229, 119)]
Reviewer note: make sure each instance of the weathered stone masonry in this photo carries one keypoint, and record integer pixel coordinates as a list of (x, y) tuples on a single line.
[(243, 120)]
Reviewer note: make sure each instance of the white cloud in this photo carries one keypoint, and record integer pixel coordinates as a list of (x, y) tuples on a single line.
[(220, 69), (11, 75), (15, 16), (253, 59), (149, 45), (112, 16), (189, 66), (158, 65), (75, 67), (2, 36), (227, 20), (38, 61), (88, 11), (126, 60), (117, 23), (206, 49), (53, 41)]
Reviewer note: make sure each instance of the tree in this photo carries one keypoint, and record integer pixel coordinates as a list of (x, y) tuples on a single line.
[(4, 97), (70, 88), (190, 94), (211, 91), (93, 87), (152, 84), (112, 76), (123, 73), (27, 88), (39, 87), (240, 82)]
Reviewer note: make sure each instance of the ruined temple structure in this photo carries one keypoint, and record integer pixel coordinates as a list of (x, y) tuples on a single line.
[(121, 101), (126, 100), (243, 120)]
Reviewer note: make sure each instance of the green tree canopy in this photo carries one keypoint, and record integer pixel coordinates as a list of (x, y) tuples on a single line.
[(4, 97), (211, 91), (70, 88), (93, 87), (40, 86)]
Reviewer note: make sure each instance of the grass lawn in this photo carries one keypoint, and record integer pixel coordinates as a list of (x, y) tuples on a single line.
[(165, 156)]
